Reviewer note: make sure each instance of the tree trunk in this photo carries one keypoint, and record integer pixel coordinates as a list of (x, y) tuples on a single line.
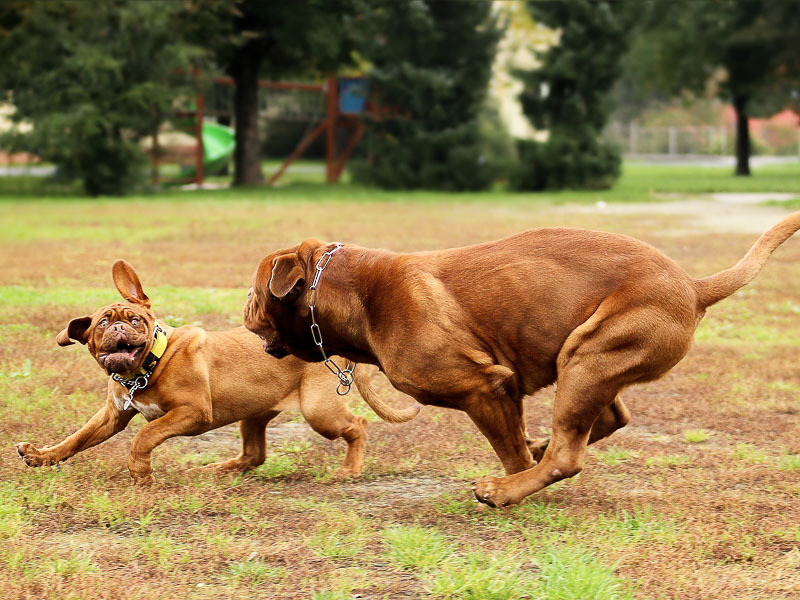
[(247, 154), (742, 136)]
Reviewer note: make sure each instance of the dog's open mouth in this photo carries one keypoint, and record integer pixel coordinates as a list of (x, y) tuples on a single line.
[(122, 358)]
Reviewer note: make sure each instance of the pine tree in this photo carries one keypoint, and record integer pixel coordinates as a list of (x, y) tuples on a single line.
[(93, 78), (431, 62), (747, 47), (568, 95)]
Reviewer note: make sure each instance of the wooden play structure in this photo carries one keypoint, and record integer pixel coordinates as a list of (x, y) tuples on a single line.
[(344, 99)]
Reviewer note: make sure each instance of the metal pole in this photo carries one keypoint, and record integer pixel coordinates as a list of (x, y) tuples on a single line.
[(673, 140), (155, 150)]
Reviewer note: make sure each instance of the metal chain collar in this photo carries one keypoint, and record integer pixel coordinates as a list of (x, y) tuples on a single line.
[(345, 375), (139, 383)]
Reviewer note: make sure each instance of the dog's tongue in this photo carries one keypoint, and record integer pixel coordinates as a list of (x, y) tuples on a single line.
[(120, 361)]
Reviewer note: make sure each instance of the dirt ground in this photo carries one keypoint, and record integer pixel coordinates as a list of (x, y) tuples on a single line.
[(698, 498)]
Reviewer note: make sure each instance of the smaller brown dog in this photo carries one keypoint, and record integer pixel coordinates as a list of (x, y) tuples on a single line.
[(196, 381)]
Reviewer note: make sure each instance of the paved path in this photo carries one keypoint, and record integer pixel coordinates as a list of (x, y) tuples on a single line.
[(37, 171), (706, 160), (726, 213)]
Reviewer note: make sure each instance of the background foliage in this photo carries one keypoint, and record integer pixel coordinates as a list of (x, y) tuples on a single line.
[(431, 63), (568, 95), (94, 78)]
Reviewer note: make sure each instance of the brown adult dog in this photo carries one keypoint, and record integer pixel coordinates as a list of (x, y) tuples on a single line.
[(204, 380), (477, 328)]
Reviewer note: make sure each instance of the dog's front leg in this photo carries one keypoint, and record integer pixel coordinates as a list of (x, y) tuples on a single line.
[(108, 421), (499, 418), (182, 420)]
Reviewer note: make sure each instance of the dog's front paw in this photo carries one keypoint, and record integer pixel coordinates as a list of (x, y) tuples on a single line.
[(31, 456), (142, 480), (343, 473), (494, 491)]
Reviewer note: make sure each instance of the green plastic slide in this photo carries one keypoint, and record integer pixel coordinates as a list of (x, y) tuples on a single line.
[(218, 144)]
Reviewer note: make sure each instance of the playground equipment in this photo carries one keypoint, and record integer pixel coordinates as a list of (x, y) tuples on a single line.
[(343, 99), (213, 147), (218, 145)]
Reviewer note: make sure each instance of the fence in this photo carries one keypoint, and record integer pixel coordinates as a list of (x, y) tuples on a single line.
[(677, 140)]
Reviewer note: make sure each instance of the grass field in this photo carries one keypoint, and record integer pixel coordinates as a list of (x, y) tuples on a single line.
[(698, 498)]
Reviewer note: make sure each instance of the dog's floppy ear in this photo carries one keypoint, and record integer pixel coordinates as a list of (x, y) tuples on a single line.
[(287, 278), (76, 330), (128, 284)]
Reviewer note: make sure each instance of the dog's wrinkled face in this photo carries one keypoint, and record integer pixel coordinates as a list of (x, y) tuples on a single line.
[(119, 336), (275, 302)]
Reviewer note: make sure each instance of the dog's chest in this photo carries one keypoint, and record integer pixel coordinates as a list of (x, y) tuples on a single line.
[(149, 411)]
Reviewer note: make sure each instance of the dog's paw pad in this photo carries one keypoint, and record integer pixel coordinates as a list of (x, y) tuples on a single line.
[(492, 492), (343, 473), (29, 454)]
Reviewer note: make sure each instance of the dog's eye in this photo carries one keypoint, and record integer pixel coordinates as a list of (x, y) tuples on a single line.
[(250, 293), (134, 321), (103, 322)]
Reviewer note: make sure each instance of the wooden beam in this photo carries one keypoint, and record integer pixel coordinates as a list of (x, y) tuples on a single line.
[(332, 115), (276, 85), (297, 152), (351, 144)]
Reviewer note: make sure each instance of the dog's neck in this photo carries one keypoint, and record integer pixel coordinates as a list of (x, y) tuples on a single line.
[(340, 312)]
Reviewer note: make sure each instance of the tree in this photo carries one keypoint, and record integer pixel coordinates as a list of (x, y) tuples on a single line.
[(568, 95), (431, 64), (748, 47), (254, 39), (93, 78)]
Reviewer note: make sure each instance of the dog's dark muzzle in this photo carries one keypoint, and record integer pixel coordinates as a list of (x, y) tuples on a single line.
[(277, 351), (274, 348)]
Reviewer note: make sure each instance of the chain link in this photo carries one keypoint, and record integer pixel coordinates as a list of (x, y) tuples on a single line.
[(137, 384), (345, 375)]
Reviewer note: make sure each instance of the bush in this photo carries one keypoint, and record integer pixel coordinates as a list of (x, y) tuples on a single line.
[(404, 156), (565, 162), (568, 95)]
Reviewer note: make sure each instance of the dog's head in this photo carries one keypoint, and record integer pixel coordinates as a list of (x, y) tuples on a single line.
[(119, 336), (276, 309)]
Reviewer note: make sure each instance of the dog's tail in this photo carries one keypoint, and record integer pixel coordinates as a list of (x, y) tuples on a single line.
[(711, 290), (384, 411)]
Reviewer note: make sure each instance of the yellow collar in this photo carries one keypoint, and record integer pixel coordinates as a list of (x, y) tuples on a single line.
[(156, 352)]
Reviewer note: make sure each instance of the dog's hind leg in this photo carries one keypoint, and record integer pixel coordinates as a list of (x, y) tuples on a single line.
[(254, 446), (327, 414), (613, 417), (355, 434), (618, 346), (341, 423), (579, 402)]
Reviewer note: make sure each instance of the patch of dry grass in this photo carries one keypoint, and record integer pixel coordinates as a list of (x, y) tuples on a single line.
[(657, 512)]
